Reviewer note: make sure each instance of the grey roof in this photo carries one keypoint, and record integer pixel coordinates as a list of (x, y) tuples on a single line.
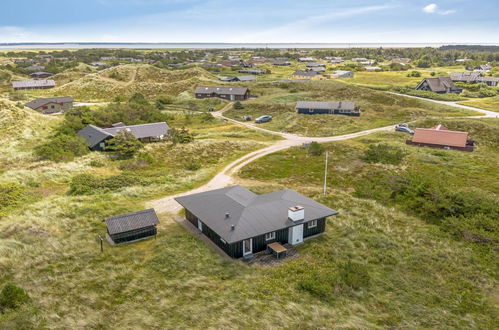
[(465, 76), (439, 84), (36, 103), (131, 221), (40, 73), (35, 67), (221, 90), (142, 130), (93, 135), (238, 78), (305, 73), (246, 78), (315, 64), (332, 105), (33, 83), (251, 214)]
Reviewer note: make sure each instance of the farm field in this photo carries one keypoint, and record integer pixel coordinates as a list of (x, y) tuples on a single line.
[(378, 109)]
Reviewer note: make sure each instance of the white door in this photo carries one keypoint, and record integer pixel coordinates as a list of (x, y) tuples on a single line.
[(200, 225), (247, 246), (232, 98), (295, 235)]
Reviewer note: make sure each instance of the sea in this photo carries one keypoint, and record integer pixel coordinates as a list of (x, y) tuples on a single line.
[(208, 45)]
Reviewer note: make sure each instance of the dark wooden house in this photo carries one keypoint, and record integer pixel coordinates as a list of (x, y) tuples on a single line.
[(333, 108), (41, 75), (241, 222), (227, 93), (132, 226), (440, 85), (96, 138)]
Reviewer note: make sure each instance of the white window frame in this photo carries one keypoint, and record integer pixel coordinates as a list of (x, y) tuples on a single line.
[(223, 241), (270, 236), (312, 224)]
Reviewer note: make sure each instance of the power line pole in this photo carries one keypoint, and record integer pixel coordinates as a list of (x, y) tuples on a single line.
[(325, 175)]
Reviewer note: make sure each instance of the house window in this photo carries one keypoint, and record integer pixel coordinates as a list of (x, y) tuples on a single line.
[(310, 110), (269, 236), (312, 224), (223, 241)]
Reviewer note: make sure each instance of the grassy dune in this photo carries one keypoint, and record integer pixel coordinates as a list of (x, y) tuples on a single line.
[(489, 103), (378, 108), (125, 80)]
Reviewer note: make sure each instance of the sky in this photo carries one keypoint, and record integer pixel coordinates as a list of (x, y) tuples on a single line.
[(253, 21)]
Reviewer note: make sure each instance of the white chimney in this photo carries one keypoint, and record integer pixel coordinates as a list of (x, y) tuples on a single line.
[(296, 213)]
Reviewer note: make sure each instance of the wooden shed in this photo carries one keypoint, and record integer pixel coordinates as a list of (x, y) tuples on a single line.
[(132, 226)]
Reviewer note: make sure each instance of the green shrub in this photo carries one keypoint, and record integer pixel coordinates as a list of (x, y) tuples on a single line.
[(62, 148), (193, 166), (181, 136), (11, 195), (238, 105), (316, 286), (383, 153), (83, 184), (125, 145), (354, 275), (12, 297), (414, 74), (96, 163), (315, 149)]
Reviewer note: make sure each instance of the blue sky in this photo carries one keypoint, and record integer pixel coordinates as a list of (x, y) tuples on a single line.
[(448, 21)]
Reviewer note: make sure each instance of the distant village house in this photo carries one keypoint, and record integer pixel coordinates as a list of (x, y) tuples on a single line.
[(51, 104), (97, 138), (227, 93), (440, 85), (32, 84), (332, 107)]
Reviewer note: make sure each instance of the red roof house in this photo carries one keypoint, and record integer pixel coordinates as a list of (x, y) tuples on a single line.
[(441, 137)]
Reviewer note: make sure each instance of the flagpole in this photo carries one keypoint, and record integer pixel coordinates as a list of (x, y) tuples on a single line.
[(325, 174)]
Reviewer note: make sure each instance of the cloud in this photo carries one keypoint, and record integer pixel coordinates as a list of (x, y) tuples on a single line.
[(432, 8)]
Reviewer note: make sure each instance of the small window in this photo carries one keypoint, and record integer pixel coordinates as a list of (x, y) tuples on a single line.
[(269, 236), (312, 224), (223, 241)]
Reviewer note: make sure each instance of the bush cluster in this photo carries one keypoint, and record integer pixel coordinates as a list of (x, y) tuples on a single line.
[(467, 214), (383, 153), (12, 297), (86, 184)]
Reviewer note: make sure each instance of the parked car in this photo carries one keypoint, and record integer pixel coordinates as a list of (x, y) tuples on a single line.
[(404, 128), (263, 119)]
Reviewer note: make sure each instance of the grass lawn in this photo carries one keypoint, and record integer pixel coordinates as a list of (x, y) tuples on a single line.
[(378, 108), (488, 103)]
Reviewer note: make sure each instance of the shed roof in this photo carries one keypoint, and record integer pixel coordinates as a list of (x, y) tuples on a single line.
[(131, 221), (330, 105), (251, 214), (305, 73), (33, 83), (221, 90), (36, 103), (440, 135)]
